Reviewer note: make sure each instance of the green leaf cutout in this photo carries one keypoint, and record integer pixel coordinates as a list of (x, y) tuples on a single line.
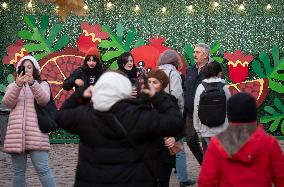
[(215, 46), (41, 40), (2, 88), (10, 78), (275, 116), (117, 44), (189, 55), (273, 70)]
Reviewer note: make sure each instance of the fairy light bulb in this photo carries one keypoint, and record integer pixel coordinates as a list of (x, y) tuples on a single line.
[(242, 7), (4, 5), (215, 4), (268, 7), (109, 5), (30, 5), (164, 9), (85, 7), (137, 8), (190, 8)]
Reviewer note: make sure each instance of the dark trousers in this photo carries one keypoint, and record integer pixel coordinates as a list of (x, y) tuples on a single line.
[(192, 139), (164, 173)]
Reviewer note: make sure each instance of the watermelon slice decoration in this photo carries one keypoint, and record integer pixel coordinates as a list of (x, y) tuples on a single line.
[(257, 88), (56, 67)]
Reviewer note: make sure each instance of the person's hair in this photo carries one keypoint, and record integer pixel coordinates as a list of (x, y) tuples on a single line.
[(212, 69), (99, 64), (205, 47), (36, 72), (123, 59)]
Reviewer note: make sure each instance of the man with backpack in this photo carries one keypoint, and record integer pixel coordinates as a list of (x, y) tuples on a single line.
[(209, 115)]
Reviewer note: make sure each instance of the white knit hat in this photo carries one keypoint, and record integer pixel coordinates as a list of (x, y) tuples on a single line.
[(32, 59), (109, 89)]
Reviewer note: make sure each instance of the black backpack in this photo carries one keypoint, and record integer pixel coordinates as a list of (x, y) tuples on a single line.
[(212, 104)]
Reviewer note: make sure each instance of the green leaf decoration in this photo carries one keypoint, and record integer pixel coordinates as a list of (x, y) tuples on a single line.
[(273, 70), (189, 55), (10, 78), (117, 44), (276, 79), (42, 41), (114, 65), (275, 117), (120, 31), (2, 88), (1, 98), (139, 42), (215, 46), (130, 37), (218, 59)]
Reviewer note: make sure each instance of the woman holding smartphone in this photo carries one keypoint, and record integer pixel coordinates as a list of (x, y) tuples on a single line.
[(23, 135)]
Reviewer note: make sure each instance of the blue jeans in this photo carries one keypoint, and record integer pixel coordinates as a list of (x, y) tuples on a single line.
[(40, 162), (181, 165)]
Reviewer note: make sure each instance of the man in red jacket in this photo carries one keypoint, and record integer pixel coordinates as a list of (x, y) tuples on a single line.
[(243, 155)]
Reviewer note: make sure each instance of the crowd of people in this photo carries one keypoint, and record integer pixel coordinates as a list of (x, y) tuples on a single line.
[(132, 125)]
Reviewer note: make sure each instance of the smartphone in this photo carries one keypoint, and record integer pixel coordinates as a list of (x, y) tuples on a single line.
[(21, 69)]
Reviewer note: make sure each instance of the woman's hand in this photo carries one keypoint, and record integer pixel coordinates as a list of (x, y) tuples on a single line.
[(30, 79), (133, 92), (20, 79), (79, 82), (169, 141), (150, 90), (88, 92)]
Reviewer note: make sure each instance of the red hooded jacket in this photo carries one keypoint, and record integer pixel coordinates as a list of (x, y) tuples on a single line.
[(258, 163)]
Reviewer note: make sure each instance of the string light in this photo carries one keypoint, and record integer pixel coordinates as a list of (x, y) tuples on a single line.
[(4, 5), (215, 4), (164, 9), (86, 7), (57, 7), (190, 8), (30, 5), (136, 8), (242, 7), (268, 7), (109, 5)]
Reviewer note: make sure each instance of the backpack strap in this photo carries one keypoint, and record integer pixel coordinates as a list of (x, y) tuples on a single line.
[(170, 91), (207, 85)]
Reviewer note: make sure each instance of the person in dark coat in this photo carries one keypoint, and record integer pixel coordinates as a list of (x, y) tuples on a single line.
[(119, 136), (88, 73), (126, 64)]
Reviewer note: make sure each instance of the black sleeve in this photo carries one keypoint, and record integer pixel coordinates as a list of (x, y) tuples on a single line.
[(163, 120), (70, 115), (69, 83)]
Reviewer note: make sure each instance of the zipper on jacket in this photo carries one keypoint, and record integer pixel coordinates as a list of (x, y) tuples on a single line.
[(24, 122)]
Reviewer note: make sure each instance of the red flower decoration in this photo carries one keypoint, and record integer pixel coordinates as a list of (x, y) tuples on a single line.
[(91, 36), (238, 65), (15, 53)]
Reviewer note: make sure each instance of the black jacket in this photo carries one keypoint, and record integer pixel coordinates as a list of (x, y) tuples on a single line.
[(83, 73), (106, 157), (193, 79)]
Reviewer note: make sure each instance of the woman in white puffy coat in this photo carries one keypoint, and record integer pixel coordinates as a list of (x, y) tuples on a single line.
[(23, 135), (212, 73)]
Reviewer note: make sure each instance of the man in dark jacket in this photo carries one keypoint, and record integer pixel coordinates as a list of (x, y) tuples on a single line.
[(119, 136), (193, 78)]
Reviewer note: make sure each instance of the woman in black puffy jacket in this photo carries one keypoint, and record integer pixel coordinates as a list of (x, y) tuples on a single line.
[(119, 136), (88, 73)]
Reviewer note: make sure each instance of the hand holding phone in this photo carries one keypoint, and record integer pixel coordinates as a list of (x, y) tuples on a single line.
[(21, 70)]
